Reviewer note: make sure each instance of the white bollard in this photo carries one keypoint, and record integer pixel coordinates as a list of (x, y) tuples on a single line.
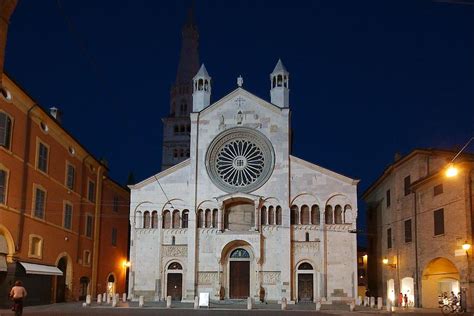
[(168, 302), (196, 302), (104, 298), (366, 301), (88, 299), (124, 297), (114, 301), (379, 303), (141, 301), (99, 299), (389, 306), (352, 306), (283, 304), (109, 298), (359, 300), (372, 302), (318, 305), (249, 302)]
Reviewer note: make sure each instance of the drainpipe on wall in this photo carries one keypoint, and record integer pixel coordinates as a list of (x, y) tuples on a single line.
[(195, 205), (95, 258), (417, 275), (24, 181)]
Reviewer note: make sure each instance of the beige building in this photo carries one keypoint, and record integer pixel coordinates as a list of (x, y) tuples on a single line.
[(418, 220)]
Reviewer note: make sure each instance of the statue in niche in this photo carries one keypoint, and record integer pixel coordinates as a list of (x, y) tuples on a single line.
[(240, 117), (221, 123)]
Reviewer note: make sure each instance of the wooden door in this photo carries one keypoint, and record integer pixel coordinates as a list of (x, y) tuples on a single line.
[(239, 279), (175, 286), (305, 287)]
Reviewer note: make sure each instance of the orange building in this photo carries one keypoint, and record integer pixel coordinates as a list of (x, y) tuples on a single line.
[(60, 213)]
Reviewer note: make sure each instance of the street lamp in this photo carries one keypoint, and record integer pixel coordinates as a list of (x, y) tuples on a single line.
[(391, 265), (466, 246), (451, 170)]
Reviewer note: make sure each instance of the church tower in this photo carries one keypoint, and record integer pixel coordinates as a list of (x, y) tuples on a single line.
[(176, 126), (201, 90), (280, 92)]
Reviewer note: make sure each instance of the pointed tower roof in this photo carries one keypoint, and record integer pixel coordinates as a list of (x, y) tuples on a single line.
[(202, 73), (280, 67)]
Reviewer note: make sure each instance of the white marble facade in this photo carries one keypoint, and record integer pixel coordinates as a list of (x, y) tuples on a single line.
[(283, 229)]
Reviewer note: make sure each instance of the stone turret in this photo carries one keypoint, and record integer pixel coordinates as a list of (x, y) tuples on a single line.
[(279, 91), (201, 90)]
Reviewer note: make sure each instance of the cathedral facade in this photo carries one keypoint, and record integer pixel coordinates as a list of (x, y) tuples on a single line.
[(242, 217)]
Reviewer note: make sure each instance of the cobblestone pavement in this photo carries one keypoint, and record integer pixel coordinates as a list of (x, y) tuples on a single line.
[(231, 309)]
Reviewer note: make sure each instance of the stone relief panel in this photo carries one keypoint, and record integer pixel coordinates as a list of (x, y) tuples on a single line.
[(306, 246), (270, 278), (207, 278), (175, 251)]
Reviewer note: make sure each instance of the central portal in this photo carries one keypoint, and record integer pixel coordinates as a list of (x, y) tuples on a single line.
[(239, 287), (239, 279)]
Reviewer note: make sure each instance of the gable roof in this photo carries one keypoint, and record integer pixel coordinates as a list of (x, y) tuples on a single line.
[(242, 91), (417, 151), (160, 174), (323, 170)]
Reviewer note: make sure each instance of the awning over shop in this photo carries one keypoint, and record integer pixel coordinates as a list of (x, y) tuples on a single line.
[(3, 263), (33, 268)]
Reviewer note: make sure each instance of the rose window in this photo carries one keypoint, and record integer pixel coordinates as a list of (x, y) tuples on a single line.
[(240, 159)]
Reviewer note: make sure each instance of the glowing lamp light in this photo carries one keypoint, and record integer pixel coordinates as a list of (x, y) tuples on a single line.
[(466, 246), (385, 261), (126, 264), (452, 171)]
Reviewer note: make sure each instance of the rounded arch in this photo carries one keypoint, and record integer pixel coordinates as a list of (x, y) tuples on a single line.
[(172, 204), (166, 219), (348, 214), (304, 214), (305, 260), (65, 280), (111, 282), (174, 260), (338, 214), (439, 275), (232, 245), (305, 198), (294, 216), (328, 215), (263, 215), (10, 243), (337, 198)]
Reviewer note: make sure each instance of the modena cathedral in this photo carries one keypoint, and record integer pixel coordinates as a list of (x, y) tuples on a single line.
[(233, 213)]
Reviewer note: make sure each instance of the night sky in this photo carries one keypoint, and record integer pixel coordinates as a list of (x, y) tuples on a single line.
[(367, 78)]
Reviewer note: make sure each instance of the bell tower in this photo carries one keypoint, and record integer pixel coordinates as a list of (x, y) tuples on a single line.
[(201, 90), (177, 125), (279, 91)]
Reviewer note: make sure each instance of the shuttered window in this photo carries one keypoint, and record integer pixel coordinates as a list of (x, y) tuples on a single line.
[(40, 199), (3, 186), (68, 216), (42, 157), (70, 176), (407, 182), (408, 237), (5, 130), (389, 238), (438, 217)]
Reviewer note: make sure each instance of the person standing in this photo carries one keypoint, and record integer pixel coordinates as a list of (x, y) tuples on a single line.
[(405, 299), (400, 299), (18, 293)]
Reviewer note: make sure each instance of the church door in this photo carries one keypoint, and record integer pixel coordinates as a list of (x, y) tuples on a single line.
[(175, 286), (305, 287), (239, 279)]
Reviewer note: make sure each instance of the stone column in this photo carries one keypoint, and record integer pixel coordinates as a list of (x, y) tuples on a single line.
[(220, 214)]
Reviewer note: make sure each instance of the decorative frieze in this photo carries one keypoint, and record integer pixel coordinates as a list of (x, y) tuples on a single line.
[(306, 246), (207, 277), (175, 251), (271, 277)]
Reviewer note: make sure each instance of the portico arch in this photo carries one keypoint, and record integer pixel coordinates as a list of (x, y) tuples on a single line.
[(306, 281), (7, 244), (440, 275), (238, 266), (63, 287)]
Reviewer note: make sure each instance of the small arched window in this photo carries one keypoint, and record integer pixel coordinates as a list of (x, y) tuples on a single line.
[(315, 216), (146, 219), (208, 218), (305, 215), (263, 215), (306, 237), (338, 214), (185, 219), (176, 219), (166, 219), (279, 81), (175, 266), (154, 219), (138, 219), (200, 84), (173, 240), (305, 266), (271, 216), (328, 215), (214, 217), (200, 218), (278, 215), (294, 215), (240, 254)]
